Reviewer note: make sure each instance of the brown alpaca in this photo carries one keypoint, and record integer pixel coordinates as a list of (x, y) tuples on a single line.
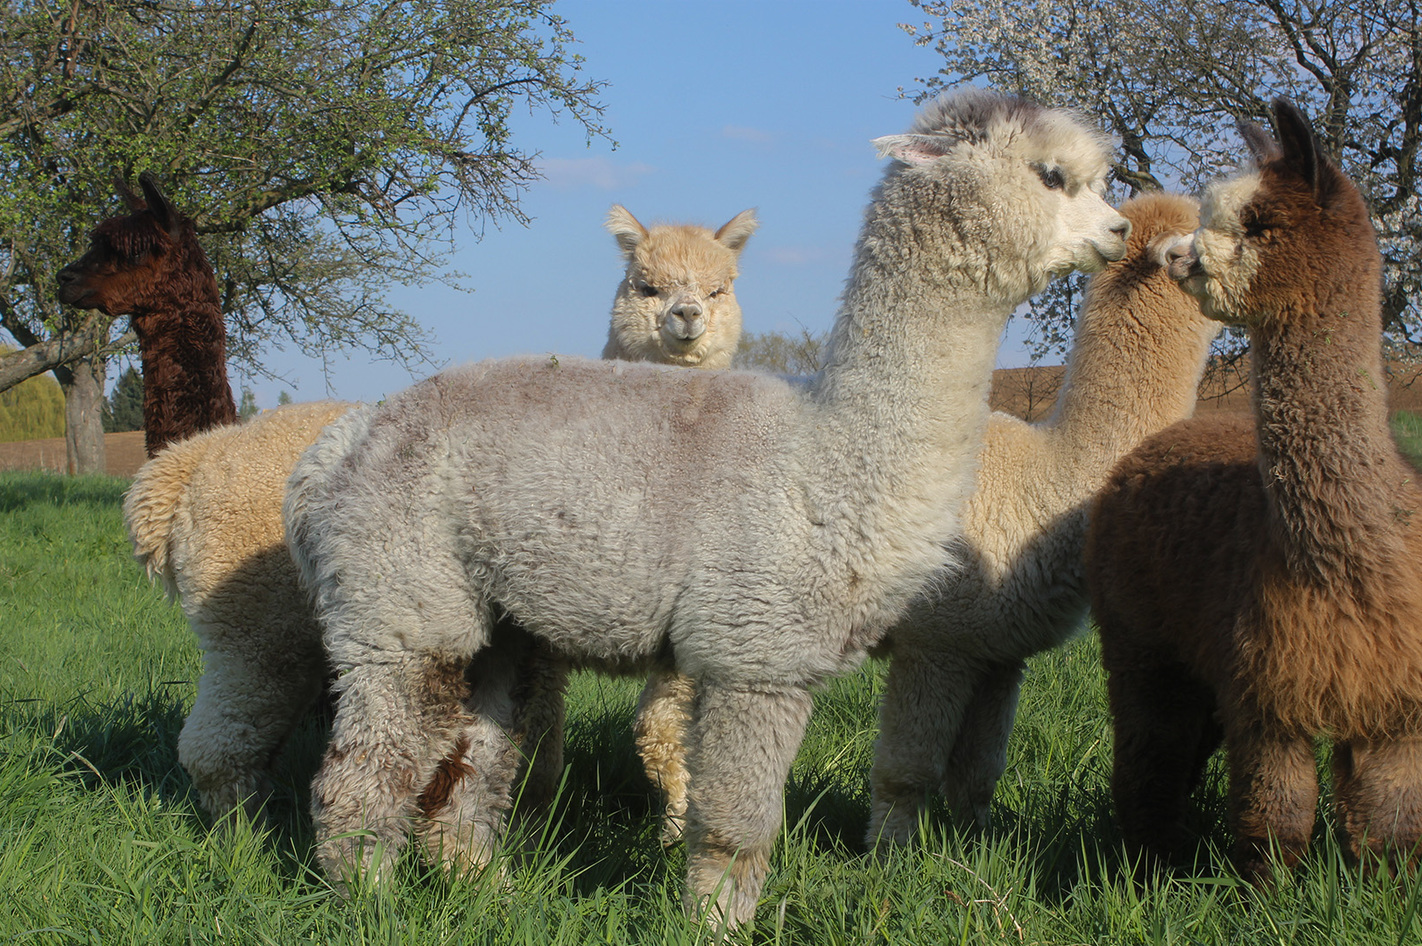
[(149, 266), (1261, 581)]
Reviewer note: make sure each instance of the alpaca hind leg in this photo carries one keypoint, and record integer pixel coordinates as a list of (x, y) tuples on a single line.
[(1378, 793), (1273, 794), (663, 718), (979, 756), (257, 681), (925, 700), (396, 718), (743, 742), (465, 805), (1163, 732), (539, 716)]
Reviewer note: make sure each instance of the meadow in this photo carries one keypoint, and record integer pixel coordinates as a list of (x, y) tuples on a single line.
[(102, 840)]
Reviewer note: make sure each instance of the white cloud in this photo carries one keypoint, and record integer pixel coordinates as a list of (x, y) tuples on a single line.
[(598, 173)]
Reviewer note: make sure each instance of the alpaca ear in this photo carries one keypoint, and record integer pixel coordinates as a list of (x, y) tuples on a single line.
[(1301, 147), (132, 201), (914, 149), (1261, 145), (158, 205), (625, 228), (735, 232)]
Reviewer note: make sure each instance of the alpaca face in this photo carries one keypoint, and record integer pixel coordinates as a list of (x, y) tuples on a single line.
[(1273, 240), (123, 262), (676, 304)]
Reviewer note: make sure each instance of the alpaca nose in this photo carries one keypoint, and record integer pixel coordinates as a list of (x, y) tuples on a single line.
[(686, 321), (1180, 258), (1122, 229)]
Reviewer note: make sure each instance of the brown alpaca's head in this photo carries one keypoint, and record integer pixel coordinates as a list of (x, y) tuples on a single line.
[(676, 304), (1290, 236), (146, 262)]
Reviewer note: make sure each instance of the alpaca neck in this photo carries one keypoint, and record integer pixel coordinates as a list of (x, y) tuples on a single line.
[(1332, 474), (1127, 378), (902, 402), (183, 347)]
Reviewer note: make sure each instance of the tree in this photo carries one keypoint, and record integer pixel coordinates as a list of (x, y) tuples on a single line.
[(781, 354), (326, 148), (123, 410), (32, 410), (1171, 85), (247, 408)]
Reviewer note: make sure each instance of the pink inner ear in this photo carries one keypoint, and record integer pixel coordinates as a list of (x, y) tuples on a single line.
[(910, 149)]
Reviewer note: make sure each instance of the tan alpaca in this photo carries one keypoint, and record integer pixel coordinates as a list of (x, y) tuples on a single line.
[(676, 304)]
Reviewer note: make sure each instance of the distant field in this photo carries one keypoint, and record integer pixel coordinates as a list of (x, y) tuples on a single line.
[(101, 840)]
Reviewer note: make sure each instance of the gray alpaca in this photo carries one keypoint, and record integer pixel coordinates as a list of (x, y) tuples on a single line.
[(553, 490)]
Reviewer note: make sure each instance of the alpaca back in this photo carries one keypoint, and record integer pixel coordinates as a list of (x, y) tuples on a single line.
[(676, 303), (210, 505)]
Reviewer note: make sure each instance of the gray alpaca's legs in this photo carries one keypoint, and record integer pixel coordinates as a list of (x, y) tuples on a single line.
[(925, 701), (398, 716), (465, 804), (1378, 793), (980, 754), (539, 712), (257, 681), (663, 720), (1273, 795), (743, 742)]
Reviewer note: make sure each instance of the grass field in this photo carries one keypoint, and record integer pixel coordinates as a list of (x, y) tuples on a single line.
[(101, 840)]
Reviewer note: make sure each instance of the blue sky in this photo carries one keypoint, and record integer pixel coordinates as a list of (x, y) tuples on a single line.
[(716, 106)]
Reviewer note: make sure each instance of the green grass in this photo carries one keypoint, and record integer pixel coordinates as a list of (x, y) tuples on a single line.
[(101, 840)]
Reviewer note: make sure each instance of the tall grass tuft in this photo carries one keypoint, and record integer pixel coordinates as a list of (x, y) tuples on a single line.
[(102, 840)]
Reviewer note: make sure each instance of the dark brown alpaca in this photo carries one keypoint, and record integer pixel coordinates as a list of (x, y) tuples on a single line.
[(1260, 579), (149, 266)]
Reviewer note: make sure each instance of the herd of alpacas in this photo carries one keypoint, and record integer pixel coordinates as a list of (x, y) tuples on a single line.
[(440, 561)]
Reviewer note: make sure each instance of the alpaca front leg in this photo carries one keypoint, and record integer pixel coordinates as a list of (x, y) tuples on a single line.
[(1378, 794), (257, 681), (465, 806), (925, 699), (743, 742), (1273, 794), (979, 756), (1164, 732), (395, 720), (662, 724)]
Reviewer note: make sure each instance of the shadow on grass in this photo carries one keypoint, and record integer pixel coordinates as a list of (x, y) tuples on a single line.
[(19, 490)]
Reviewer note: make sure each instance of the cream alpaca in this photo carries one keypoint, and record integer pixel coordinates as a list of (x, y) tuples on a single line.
[(536, 488)]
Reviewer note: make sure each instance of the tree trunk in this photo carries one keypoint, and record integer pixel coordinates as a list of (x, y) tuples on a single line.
[(83, 384)]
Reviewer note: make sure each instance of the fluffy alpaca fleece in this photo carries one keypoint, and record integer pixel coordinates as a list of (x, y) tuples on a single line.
[(149, 266), (958, 657), (1261, 581), (205, 520), (677, 304), (549, 490)]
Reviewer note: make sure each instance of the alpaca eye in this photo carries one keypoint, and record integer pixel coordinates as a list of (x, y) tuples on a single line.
[(714, 293), (1256, 228), (1052, 178), (647, 289)]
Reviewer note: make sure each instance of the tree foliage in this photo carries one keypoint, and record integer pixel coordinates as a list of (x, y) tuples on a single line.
[(326, 149), (777, 353), (123, 408), (33, 410), (1171, 82)]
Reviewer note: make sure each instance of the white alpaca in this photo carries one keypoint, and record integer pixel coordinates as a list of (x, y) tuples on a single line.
[(553, 491), (1137, 356), (205, 520), (677, 304), (1139, 349)]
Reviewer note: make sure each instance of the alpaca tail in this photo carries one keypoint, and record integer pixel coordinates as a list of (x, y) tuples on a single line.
[(154, 505), (307, 487)]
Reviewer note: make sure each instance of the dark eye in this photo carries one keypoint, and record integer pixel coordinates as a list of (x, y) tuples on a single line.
[(715, 292), (1256, 228), (647, 289), (1052, 178)]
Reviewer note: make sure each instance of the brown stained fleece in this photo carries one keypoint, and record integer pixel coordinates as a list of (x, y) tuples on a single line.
[(149, 266), (1259, 579)]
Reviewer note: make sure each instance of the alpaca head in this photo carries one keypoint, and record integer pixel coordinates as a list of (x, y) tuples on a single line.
[(1277, 238), (1025, 184), (140, 263), (676, 304)]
